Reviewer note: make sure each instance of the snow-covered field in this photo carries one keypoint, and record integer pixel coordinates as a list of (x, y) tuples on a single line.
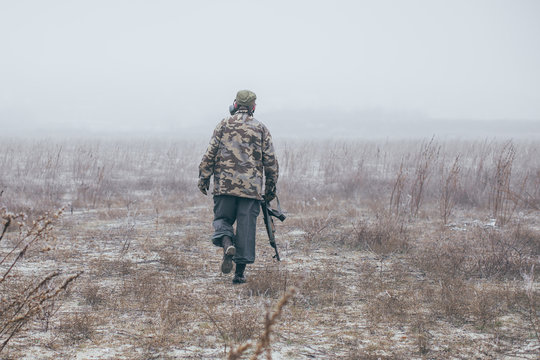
[(396, 250)]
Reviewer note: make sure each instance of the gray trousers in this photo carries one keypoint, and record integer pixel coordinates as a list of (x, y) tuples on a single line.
[(227, 210)]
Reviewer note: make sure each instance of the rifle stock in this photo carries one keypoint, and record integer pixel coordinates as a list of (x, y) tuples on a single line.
[(268, 213)]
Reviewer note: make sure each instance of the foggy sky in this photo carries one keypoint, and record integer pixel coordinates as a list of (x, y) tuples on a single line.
[(172, 65)]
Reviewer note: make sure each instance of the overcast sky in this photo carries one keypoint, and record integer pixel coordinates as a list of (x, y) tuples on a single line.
[(121, 65)]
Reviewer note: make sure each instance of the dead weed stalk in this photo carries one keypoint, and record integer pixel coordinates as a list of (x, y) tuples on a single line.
[(264, 339), (534, 319), (397, 190), (424, 164), (449, 189), (23, 302), (500, 199)]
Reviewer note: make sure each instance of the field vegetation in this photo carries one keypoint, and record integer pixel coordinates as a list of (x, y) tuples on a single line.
[(400, 249)]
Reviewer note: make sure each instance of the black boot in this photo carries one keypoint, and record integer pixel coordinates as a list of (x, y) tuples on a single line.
[(239, 274), (228, 252)]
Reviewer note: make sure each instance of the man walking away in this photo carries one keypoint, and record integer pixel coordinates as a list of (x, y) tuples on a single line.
[(240, 155)]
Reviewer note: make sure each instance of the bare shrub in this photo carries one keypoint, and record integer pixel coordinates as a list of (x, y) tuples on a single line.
[(388, 306), (319, 229), (428, 154), (449, 189), (236, 326), (93, 295), (385, 236), (460, 300), (270, 282), (533, 304), (452, 297), (168, 319), (485, 305), (500, 199), (321, 287), (140, 290), (422, 336), (78, 327), (526, 241), (389, 296), (503, 254), (175, 307), (482, 252), (443, 256), (475, 175), (534, 194), (22, 299), (244, 324)]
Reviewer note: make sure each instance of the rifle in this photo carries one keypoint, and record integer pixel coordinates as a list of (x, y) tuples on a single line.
[(268, 213)]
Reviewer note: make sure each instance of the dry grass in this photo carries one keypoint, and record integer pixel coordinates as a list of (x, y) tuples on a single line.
[(481, 252), (396, 250), (78, 327), (385, 236), (24, 299)]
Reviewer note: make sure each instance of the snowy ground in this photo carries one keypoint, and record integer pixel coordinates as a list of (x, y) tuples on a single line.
[(151, 289), (373, 278)]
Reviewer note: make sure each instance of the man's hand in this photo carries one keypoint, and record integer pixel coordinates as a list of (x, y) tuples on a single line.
[(203, 185), (270, 193)]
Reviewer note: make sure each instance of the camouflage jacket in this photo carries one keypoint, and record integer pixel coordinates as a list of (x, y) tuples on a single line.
[(238, 155)]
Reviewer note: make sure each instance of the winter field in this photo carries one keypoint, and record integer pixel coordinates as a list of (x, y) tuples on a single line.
[(390, 250)]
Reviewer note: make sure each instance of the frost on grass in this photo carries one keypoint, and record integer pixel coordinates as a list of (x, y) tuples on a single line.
[(406, 249)]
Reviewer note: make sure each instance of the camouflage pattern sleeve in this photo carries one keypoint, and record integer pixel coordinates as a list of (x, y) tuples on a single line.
[(208, 162), (269, 160)]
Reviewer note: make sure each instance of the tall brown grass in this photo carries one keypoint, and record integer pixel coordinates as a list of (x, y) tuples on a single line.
[(382, 238)]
